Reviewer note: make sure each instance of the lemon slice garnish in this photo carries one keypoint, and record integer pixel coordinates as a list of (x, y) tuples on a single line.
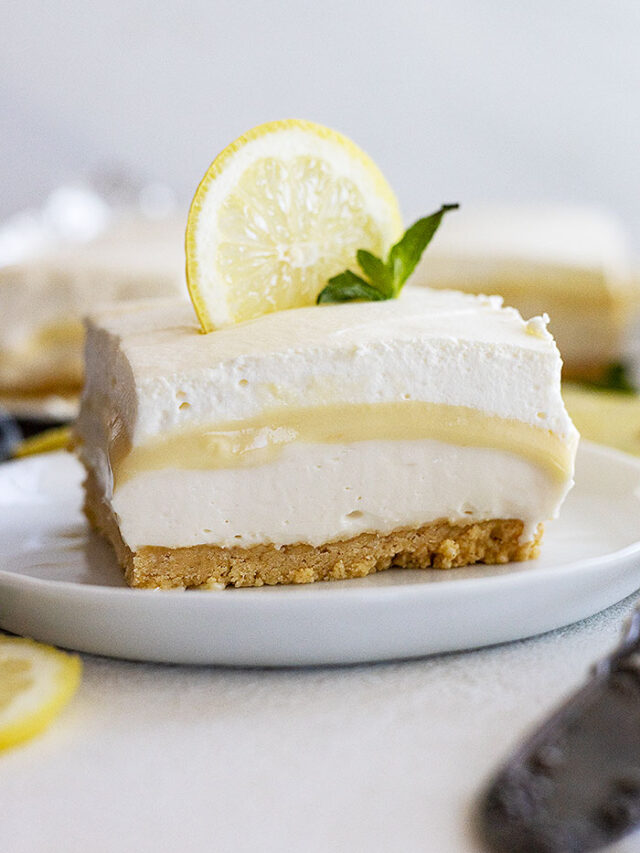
[(279, 211), (36, 682)]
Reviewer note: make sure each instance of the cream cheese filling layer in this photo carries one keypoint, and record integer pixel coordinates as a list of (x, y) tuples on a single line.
[(322, 492), (261, 440)]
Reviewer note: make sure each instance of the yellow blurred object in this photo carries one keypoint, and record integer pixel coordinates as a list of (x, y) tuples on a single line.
[(36, 682), (608, 417), (57, 438)]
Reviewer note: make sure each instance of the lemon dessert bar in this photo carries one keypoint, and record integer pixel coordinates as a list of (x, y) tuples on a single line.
[(322, 442), (573, 263), (298, 442), (45, 296)]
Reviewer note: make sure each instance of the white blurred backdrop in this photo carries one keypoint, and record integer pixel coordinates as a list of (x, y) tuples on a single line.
[(459, 100)]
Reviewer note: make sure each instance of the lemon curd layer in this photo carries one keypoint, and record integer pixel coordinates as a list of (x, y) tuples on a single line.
[(317, 424), (260, 440)]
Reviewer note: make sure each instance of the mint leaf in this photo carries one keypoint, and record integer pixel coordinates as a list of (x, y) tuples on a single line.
[(377, 271), (404, 256), (385, 279), (349, 287)]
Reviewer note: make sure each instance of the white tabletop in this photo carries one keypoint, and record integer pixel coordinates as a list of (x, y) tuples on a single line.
[(369, 758)]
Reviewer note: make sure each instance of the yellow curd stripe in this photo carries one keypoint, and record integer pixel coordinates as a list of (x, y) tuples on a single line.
[(260, 440), (56, 438)]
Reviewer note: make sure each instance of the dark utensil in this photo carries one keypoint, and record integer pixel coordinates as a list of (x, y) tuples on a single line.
[(575, 783), (14, 429), (10, 434)]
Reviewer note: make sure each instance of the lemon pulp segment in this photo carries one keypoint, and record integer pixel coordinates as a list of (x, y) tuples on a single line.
[(258, 258)]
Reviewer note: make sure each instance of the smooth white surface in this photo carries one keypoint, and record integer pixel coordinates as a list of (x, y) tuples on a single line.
[(62, 585)]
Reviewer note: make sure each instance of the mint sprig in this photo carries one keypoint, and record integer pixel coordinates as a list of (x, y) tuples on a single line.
[(385, 278)]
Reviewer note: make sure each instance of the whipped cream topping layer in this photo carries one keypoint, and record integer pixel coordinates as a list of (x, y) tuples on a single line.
[(152, 376)]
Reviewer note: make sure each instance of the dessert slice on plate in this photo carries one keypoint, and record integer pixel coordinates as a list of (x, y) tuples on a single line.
[(299, 442), (322, 442)]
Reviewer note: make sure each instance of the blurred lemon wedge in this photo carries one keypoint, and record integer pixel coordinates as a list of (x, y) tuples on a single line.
[(36, 682), (279, 211), (56, 438), (608, 417)]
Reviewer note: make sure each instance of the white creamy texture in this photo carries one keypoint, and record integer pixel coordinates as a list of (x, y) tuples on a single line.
[(433, 346), (150, 369), (320, 492)]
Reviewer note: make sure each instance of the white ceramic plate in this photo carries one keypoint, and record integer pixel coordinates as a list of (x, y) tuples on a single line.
[(60, 583)]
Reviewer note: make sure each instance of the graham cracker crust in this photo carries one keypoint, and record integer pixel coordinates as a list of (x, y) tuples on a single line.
[(437, 545)]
